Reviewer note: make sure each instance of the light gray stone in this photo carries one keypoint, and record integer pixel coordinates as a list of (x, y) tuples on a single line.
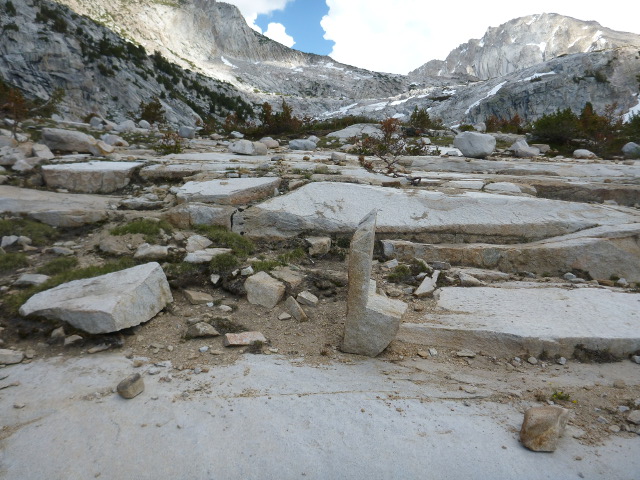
[(131, 387), (372, 320), (187, 132), (93, 177), (357, 130), (243, 339), (29, 279), (307, 298), (542, 428), (151, 252), (197, 298), (318, 246), (189, 214), (295, 310), (72, 340), (126, 126), (114, 140), (428, 285), (270, 142), (96, 122), (262, 289), (247, 147), (631, 150), (522, 149), (201, 330), (231, 191), (144, 124), (42, 152), (301, 144), (502, 187), (10, 357), (107, 303), (634, 417), (206, 255), (67, 140), (474, 144), (584, 154), (292, 278), (197, 242), (467, 280)]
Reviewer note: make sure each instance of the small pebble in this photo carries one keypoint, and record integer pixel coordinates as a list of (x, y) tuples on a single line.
[(203, 349), (433, 352), (562, 361), (619, 383), (601, 419), (532, 360), (614, 429), (19, 405), (636, 359)]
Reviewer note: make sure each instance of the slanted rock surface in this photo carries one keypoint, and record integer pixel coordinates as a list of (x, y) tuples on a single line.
[(231, 191), (107, 303)]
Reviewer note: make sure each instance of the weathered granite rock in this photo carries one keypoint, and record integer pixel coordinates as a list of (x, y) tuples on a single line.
[(9, 357), (269, 142), (543, 427), (232, 191), (262, 289), (502, 187), (522, 149), (197, 242), (144, 124), (93, 177), (42, 152), (288, 276), (243, 339), (56, 209), (126, 126), (107, 303), (294, 309), (372, 320), (302, 144), (318, 245), (187, 132), (357, 130), (584, 154), (428, 285), (197, 298), (247, 147), (201, 330), (631, 150), (30, 279), (67, 140), (131, 387), (307, 298), (151, 252), (114, 140), (474, 144), (189, 214), (206, 255), (335, 208)]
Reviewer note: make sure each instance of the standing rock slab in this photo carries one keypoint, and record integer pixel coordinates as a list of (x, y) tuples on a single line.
[(294, 309), (543, 427), (231, 191), (92, 177), (474, 144), (372, 320), (263, 289), (131, 387), (107, 303)]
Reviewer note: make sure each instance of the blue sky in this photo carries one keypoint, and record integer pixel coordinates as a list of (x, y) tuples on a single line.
[(397, 36), (301, 19)]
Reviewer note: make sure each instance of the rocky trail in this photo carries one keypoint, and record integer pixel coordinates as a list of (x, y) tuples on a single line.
[(222, 275)]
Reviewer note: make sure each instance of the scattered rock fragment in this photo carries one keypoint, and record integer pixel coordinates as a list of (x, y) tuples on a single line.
[(295, 310), (465, 354), (197, 298), (307, 298), (131, 387), (634, 417), (243, 339), (543, 427), (9, 357), (318, 246), (262, 289), (201, 330), (72, 340)]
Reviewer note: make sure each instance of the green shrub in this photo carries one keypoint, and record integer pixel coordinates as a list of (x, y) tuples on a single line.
[(152, 112), (293, 256), (557, 128), (265, 265), (12, 261), (39, 233), (223, 264), (221, 237), (59, 265), (10, 8), (170, 143), (149, 228), (400, 274)]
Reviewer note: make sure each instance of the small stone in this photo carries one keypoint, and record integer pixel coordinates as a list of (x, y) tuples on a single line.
[(441, 266), (634, 417), (465, 354), (225, 308), (433, 352), (284, 316), (201, 330), (19, 405), (203, 349), (614, 429), (470, 390), (72, 340), (295, 310), (58, 334), (623, 408), (99, 348), (532, 360), (319, 246), (131, 387), (307, 298), (636, 359), (423, 354), (216, 352), (215, 279), (197, 298), (138, 362), (569, 276), (154, 371), (543, 427), (601, 419), (245, 272), (562, 361), (243, 339), (29, 353), (619, 383)]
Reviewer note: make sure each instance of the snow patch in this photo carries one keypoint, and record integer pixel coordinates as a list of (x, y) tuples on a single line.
[(491, 93), (227, 62), (399, 102), (632, 111), (536, 75)]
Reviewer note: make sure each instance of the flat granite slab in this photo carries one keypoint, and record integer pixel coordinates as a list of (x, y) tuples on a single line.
[(230, 191), (434, 217), (512, 319), (91, 177), (57, 209)]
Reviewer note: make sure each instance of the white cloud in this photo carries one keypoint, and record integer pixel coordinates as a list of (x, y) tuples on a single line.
[(277, 32), (250, 9), (400, 36)]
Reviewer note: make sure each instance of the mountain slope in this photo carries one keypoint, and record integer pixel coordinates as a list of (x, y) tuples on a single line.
[(524, 42)]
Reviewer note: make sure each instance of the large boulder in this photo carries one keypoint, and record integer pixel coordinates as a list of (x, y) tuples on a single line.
[(474, 144), (247, 147), (302, 144), (126, 126), (68, 140), (93, 177), (187, 132), (631, 150), (522, 149), (105, 304)]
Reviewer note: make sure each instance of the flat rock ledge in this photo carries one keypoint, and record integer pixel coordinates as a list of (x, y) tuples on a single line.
[(107, 303)]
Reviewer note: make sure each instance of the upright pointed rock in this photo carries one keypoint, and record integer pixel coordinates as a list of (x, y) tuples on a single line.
[(372, 320)]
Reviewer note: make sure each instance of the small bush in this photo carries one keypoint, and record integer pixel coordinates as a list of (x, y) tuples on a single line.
[(221, 237), (559, 395), (170, 143), (150, 229), (152, 112), (59, 265), (12, 261), (401, 273), (10, 8), (223, 264), (296, 255), (265, 265)]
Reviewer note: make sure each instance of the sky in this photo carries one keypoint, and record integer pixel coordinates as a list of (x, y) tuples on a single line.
[(397, 36)]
